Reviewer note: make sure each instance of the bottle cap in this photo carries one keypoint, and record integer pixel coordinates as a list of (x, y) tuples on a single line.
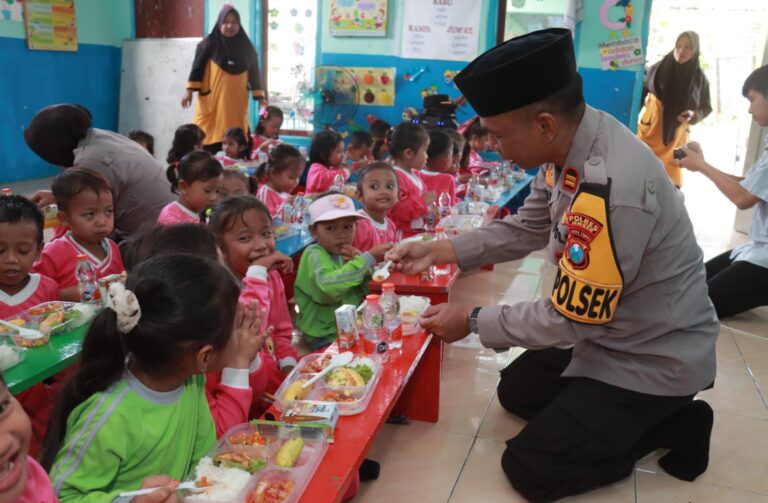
[(388, 286), (440, 229), (300, 194), (82, 257), (7, 191), (372, 298)]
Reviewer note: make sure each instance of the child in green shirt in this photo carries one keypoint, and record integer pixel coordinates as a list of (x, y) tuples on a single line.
[(331, 272), (136, 406)]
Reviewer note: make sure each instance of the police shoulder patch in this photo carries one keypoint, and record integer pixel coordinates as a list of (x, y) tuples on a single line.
[(570, 179)]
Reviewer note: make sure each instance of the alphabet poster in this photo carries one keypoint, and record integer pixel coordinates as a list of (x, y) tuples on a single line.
[(441, 29), (51, 25), (358, 18)]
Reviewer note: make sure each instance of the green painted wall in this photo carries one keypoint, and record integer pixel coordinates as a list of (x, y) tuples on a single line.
[(100, 22)]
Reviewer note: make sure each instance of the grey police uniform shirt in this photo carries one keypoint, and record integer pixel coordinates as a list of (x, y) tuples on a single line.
[(139, 182), (661, 338)]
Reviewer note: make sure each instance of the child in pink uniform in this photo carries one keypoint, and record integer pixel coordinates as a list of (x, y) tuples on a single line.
[(187, 138), (267, 131), (235, 147), (377, 187), (479, 139), (326, 154), (408, 145), (436, 176), (243, 229), (282, 171), (24, 481), (198, 181), (84, 198)]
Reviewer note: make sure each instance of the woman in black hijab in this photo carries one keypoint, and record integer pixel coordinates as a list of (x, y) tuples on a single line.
[(64, 136), (677, 96), (225, 67)]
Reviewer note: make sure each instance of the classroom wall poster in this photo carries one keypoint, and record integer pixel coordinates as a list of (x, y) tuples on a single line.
[(11, 10), (441, 29), (358, 18), (51, 25), (615, 54)]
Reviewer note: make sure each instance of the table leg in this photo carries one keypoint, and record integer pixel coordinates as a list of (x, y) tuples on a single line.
[(421, 397)]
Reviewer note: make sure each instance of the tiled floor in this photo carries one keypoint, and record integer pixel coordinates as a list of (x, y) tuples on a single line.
[(457, 460)]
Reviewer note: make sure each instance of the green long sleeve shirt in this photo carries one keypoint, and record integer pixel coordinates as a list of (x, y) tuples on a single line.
[(323, 283), (117, 438)]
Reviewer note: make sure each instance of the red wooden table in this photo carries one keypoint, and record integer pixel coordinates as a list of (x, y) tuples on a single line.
[(355, 434)]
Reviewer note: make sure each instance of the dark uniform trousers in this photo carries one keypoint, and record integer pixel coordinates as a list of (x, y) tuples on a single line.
[(581, 433)]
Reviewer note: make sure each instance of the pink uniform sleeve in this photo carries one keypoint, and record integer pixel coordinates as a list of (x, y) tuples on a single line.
[(410, 206), (364, 238), (320, 178), (50, 264), (229, 404), (280, 319), (255, 287)]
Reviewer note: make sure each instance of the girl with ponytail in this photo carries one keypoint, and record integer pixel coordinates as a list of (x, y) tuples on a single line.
[(281, 173), (197, 180), (136, 406)]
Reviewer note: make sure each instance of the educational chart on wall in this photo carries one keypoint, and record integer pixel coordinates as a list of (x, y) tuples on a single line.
[(441, 29), (358, 18), (624, 46), (51, 25), (377, 85)]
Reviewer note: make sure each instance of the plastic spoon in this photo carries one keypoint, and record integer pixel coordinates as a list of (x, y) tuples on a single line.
[(26, 333), (382, 273), (184, 486), (338, 360)]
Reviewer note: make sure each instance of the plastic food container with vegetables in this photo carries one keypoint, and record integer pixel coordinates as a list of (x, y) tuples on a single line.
[(49, 318), (350, 386), (259, 462)]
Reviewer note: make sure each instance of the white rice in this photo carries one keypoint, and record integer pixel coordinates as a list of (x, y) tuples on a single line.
[(228, 483), (8, 357)]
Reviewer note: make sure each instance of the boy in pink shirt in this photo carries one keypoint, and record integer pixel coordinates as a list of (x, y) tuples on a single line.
[(377, 188), (84, 198), (326, 154), (243, 229)]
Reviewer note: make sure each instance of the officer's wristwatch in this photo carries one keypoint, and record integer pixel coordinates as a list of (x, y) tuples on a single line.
[(472, 320)]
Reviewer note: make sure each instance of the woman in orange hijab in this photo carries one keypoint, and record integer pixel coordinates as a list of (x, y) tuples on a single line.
[(676, 96)]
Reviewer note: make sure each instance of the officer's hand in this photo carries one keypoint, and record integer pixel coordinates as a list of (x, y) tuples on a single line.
[(43, 198), (693, 160), (410, 258), (447, 321)]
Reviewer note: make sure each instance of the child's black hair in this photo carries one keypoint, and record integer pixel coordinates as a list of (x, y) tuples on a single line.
[(322, 145), (73, 181), (238, 135), (155, 240), (227, 211), (379, 129), (440, 143), (757, 81), (266, 114), (185, 139), (17, 209), (374, 166), (476, 130), (147, 139), (186, 303), (195, 166), (281, 157), (249, 181), (360, 139), (406, 135)]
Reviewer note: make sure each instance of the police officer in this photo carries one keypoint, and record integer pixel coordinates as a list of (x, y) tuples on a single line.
[(627, 338)]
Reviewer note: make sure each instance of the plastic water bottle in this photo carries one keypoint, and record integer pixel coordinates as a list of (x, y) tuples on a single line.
[(300, 206), (338, 183), (373, 325), (430, 219), (445, 204), (87, 281), (473, 192), (391, 306), (494, 177), (440, 269), (288, 214)]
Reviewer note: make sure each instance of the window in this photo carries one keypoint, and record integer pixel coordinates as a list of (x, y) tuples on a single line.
[(524, 16), (291, 38)]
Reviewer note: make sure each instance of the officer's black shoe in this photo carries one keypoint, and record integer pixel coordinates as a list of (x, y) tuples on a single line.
[(689, 448), (369, 470)]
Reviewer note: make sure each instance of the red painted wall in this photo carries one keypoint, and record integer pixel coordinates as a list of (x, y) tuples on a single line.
[(169, 18)]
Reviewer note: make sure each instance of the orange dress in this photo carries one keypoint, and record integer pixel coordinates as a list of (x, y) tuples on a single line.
[(650, 130)]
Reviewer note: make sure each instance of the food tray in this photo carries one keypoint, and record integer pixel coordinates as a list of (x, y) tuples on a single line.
[(50, 318), (238, 444), (351, 399), (473, 208), (456, 224)]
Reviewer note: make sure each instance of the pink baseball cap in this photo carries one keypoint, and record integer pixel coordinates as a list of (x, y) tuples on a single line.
[(331, 207)]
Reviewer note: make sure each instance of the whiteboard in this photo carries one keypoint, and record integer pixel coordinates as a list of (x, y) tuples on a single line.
[(153, 77)]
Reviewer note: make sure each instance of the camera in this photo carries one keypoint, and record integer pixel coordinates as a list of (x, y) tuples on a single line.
[(678, 153)]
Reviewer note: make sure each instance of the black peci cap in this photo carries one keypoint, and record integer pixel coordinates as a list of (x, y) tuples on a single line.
[(521, 71)]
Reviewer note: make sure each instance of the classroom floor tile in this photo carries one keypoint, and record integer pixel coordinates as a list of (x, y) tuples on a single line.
[(658, 488)]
